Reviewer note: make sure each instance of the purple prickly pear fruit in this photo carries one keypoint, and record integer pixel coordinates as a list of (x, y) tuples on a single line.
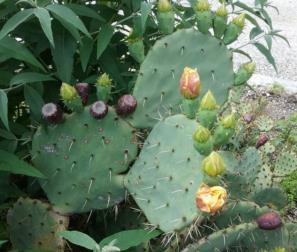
[(98, 110), (83, 90), (52, 113), (126, 105), (269, 221), (263, 138), (248, 118)]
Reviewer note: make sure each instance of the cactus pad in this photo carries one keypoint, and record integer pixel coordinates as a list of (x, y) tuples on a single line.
[(286, 163), (82, 159), (34, 225), (264, 179), (157, 85), (264, 123), (165, 178)]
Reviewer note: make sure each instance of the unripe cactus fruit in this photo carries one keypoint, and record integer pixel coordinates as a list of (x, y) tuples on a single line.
[(229, 122), (83, 89), (225, 130), (70, 97), (165, 16), (126, 105), (201, 135), (203, 15), (190, 83), (99, 110), (263, 138), (213, 165), (164, 6), (208, 102), (220, 21), (269, 221), (52, 113), (103, 86), (234, 29), (239, 20), (244, 73), (202, 141)]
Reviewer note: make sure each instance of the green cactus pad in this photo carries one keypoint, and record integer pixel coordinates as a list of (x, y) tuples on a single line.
[(167, 174), (34, 225), (82, 159), (264, 179), (273, 197), (264, 123), (157, 85), (286, 163)]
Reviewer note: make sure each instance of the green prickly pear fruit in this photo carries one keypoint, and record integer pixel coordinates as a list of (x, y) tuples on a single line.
[(234, 29), (165, 16), (103, 87), (52, 113), (244, 73), (136, 49), (213, 165), (220, 21), (225, 130), (202, 141), (71, 97), (207, 113), (269, 221), (98, 110), (203, 15)]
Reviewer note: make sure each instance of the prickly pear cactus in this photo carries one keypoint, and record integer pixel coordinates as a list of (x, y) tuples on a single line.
[(34, 225), (83, 159), (157, 85), (285, 164)]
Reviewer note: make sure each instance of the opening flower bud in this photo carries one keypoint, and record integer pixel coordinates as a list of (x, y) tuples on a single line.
[(208, 102), (213, 165), (190, 83), (104, 80), (250, 67), (222, 11), (210, 199), (239, 20), (201, 135), (164, 6), (229, 122), (68, 92), (203, 5)]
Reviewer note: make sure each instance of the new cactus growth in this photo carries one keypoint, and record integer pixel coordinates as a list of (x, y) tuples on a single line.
[(52, 113), (202, 141), (71, 97), (165, 16), (220, 21), (203, 15), (103, 87), (126, 105), (234, 29), (244, 73)]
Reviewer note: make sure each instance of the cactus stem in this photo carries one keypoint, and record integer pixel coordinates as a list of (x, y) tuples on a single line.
[(160, 207)]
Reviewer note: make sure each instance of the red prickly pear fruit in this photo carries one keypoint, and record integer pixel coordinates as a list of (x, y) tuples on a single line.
[(52, 113), (263, 138), (269, 221), (83, 89), (98, 110), (126, 105), (248, 118)]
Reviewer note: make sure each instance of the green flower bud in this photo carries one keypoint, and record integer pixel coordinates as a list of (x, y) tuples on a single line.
[(164, 6), (229, 122), (239, 20), (250, 67), (104, 80), (208, 102), (213, 165), (202, 5), (68, 92), (201, 135), (222, 11)]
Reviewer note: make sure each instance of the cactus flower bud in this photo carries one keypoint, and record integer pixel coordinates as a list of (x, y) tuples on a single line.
[(239, 20), (229, 122), (190, 83), (201, 135), (98, 110), (68, 92), (213, 165), (104, 80), (263, 138), (83, 90), (222, 11), (210, 199), (269, 221), (203, 5), (250, 67), (164, 6), (52, 113), (126, 105), (208, 102)]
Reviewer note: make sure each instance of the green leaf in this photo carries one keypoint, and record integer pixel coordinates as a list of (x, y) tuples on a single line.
[(256, 31), (12, 164), (268, 40), (29, 77), (46, 23), (85, 11), (79, 239), (2, 242), (103, 38), (266, 53), (68, 16), (4, 109), (13, 49), (130, 238), (63, 53), (86, 48), (35, 102), (243, 53), (15, 21), (145, 11)]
